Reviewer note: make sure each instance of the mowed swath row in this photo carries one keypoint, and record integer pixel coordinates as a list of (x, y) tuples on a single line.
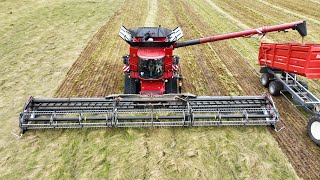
[(97, 72), (294, 140)]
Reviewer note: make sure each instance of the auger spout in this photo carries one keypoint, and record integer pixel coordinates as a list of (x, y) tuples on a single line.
[(300, 26)]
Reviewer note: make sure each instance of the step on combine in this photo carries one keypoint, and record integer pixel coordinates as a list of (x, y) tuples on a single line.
[(152, 91)]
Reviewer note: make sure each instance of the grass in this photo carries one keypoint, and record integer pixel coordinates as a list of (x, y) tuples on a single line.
[(38, 50), (168, 153), (39, 42)]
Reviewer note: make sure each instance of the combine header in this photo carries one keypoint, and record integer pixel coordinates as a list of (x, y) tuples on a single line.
[(281, 65), (144, 111), (152, 91)]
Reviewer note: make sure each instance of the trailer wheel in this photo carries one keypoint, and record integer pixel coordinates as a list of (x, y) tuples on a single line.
[(265, 79), (275, 87), (314, 129), (130, 86), (172, 86)]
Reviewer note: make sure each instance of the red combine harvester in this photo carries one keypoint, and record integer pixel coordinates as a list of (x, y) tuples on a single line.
[(281, 65), (152, 92), (151, 67)]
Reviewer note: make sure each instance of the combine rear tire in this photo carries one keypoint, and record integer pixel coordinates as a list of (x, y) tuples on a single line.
[(314, 129), (130, 86), (275, 87), (265, 79), (172, 86)]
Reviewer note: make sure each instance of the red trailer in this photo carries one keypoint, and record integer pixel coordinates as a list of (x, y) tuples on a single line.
[(281, 63), (294, 58)]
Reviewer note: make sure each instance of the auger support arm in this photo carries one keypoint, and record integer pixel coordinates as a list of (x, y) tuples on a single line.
[(300, 26)]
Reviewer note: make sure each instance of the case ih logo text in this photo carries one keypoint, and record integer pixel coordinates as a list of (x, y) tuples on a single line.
[(318, 56)]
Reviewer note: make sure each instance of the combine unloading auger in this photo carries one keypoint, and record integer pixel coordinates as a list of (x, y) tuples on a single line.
[(152, 92), (300, 26)]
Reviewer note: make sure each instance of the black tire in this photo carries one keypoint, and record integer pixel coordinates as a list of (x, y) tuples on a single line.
[(176, 60), (266, 79), (314, 129), (172, 86), (275, 87), (130, 86), (125, 59), (304, 84)]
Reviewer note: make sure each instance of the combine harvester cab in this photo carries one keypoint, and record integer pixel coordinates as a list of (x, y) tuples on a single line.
[(151, 68), (152, 91), (282, 64)]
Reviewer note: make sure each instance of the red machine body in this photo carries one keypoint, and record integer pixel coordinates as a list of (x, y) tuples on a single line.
[(155, 85), (291, 57)]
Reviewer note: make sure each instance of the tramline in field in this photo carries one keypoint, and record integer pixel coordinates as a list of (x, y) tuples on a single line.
[(152, 91)]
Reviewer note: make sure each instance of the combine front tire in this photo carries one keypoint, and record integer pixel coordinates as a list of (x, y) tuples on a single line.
[(266, 79), (314, 129), (130, 86), (275, 87), (172, 86)]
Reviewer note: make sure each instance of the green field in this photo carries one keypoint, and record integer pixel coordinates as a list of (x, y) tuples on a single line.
[(40, 41)]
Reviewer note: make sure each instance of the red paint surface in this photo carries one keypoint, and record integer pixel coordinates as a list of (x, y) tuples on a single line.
[(151, 53), (249, 32), (292, 57), (152, 87)]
